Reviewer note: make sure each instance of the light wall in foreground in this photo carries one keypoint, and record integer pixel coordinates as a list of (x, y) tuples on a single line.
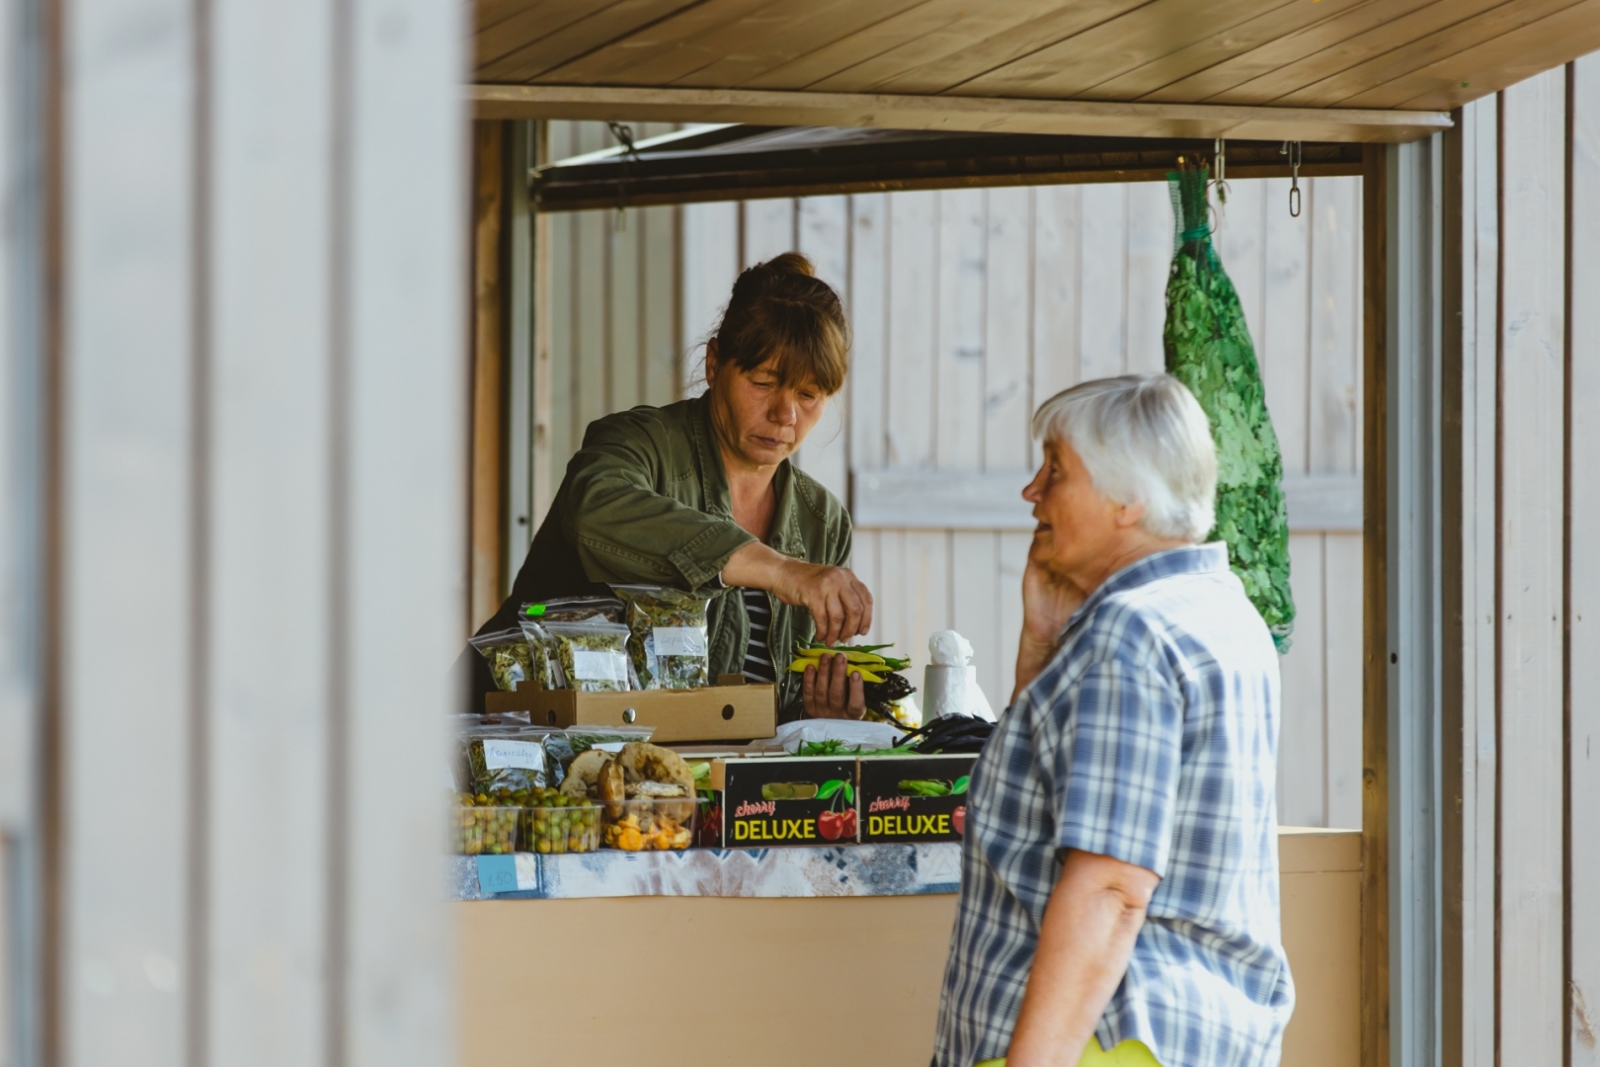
[(232, 412)]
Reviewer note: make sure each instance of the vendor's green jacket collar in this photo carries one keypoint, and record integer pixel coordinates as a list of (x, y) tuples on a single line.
[(646, 500)]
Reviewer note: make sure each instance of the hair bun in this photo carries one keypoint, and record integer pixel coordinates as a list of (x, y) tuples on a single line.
[(789, 263)]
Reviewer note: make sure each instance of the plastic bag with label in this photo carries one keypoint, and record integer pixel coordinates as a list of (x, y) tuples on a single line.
[(668, 639)]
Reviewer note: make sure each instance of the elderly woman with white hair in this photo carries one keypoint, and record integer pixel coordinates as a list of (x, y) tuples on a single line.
[(1119, 877)]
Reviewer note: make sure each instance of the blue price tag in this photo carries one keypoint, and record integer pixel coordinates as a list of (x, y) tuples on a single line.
[(497, 874)]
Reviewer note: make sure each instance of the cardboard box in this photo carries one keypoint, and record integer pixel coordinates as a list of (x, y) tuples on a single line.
[(890, 813), (794, 800), (717, 713)]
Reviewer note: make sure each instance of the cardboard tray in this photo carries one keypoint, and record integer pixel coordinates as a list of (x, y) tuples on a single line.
[(722, 712)]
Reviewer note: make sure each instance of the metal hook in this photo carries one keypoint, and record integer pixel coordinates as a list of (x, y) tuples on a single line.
[(624, 135), (1221, 183), (1296, 153)]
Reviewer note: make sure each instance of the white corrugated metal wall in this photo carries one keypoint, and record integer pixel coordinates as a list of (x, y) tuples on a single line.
[(970, 307)]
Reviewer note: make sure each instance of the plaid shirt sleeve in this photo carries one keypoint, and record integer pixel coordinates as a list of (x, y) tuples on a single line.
[(1114, 773)]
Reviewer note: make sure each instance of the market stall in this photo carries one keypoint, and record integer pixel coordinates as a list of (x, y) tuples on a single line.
[(641, 868)]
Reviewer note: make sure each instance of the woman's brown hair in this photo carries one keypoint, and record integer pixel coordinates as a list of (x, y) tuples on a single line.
[(780, 310)]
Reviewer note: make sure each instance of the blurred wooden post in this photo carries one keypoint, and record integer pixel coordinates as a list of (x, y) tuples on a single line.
[(485, 568)]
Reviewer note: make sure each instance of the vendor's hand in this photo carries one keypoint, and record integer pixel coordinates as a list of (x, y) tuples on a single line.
[(1047, 603), (840, 605), (830, 691)]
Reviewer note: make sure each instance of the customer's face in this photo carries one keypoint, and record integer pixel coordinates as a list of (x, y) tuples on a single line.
[(760, 418), (1079, 530)]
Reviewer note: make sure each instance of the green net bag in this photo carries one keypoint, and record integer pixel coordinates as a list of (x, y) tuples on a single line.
[(1208, 349)]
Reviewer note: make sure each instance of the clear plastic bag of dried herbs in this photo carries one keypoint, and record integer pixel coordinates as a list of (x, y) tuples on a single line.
[(506, 757), (667, 640), (576, 609), (507, 655), (544, 665), (593, 655)]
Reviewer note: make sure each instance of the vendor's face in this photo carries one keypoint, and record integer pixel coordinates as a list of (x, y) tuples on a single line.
[(760, 418), (1079, 530)]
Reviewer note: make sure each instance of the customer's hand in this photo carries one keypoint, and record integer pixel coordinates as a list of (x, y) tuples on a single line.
[(839, 604), (830, 691), (1048, 601)]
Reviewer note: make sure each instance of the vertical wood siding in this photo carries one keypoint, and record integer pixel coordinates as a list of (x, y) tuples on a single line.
[(969, 308), (1522, 930), (1532, 347), (260, 421), (1583, 700)]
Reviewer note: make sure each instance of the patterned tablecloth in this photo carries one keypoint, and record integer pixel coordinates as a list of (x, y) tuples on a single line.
[(834, 871)]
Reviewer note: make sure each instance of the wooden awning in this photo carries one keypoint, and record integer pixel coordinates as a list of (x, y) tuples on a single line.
[(1308, 70), (753, 162)]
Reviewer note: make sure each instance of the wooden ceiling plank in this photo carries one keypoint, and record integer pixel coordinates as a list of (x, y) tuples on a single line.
[(1466, 31), (1208, 52), (844, 53), (1146, 33), (782, 33), (1018, 42), (538, 49), (1376, 45), (933, 60), (1103, 118), (663, 52), (523, 21), (1060, 18), (486, 13), (1285, 52), (1498, 63)]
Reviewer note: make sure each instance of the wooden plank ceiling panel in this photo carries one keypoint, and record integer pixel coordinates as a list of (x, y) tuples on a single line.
[(944, 54), (1323, 54), (524, 47), (1341, 30), (1060, 18), (1116, 46), (1470, 23), (486, 13), (1495, 64), (1258, 30), (776, 35), (762, 33)]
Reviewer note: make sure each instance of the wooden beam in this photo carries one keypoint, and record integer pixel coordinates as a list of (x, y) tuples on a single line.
[(488, 373), (1375, 674), (543, 309), (983, 114), (992, 500)]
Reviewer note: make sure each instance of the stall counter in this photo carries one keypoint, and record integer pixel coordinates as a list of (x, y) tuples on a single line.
[(793, 957)]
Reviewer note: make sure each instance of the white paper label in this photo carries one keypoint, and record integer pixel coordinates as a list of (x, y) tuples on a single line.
[(609, 746), (680, 641), (498, 754), (605, 665)]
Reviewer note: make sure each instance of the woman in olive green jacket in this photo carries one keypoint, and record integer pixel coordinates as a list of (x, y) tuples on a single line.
[(703, 494)]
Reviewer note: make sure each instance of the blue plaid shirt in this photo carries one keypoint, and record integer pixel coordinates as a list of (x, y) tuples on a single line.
[(1151, 737)]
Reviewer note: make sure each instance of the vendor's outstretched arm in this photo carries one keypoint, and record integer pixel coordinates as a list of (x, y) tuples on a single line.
[(1093, 918), (839, 603)]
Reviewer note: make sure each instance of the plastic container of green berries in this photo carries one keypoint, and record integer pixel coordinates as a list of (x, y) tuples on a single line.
[(561, 828), (485, 829)]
